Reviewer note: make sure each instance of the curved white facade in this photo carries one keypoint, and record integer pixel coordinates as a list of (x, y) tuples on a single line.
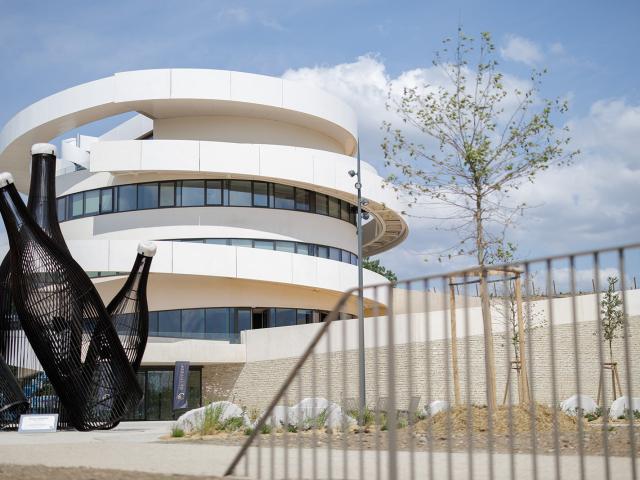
[(234, 138)]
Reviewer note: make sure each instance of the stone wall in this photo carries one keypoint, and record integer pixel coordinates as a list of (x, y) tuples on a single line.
[(425, 370)]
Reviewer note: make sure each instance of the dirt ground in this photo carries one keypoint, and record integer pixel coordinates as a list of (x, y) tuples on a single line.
[(433, 434), (39, 472)]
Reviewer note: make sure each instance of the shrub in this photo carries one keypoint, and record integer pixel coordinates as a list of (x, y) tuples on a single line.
[(176, 431)]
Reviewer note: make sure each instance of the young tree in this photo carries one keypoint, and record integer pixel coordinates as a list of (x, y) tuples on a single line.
[(375, 266), (612, 315), (485, 140)]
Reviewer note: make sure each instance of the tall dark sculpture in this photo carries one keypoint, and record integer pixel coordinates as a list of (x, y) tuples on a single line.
[(13, 342), (13, 403), (66, 322), (129, 310)]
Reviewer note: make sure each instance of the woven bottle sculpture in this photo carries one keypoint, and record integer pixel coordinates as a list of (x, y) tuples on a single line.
[(13, 403), (129, 310), (66, 322), (13, 342)]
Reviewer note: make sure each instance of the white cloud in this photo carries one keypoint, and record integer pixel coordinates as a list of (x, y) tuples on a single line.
[(587, 205), (520, 49), (557, 48)]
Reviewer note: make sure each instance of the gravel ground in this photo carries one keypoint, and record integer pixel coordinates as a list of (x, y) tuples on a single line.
[(39, 472)]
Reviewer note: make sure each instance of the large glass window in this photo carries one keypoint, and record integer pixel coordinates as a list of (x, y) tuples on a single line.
[(263, 244), (92, 202), (283, 195), (147, 196), (282, 246), (302, 199), (285, 317), (195, 193), (304, 249), (217, 322), (62, 209), (334, 253), (242, 242), (244, 320), (304, 316), (261, 194), (217, 241), (334, 207), (193, 322), (127, 198), (214, 192), (106, 200), (321, 204), (169, 323), (192, 193), (76, 205), (239, 192), (167, 194)]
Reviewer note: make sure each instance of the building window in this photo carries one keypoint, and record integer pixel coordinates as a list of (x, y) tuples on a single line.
[(167, 194), (106, 200), (285, 317), (260, 194), (304, 317), (193, 322), (242, 242), (169, 323), (147, 196), (92, 202), (283, 195), (127, 198), (302, 200), (192, 193), (214, 192), (239, 192), (217, 323), (288, 247), (196, 193)]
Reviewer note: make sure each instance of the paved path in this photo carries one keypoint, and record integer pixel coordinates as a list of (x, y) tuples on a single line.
[(135, 446)]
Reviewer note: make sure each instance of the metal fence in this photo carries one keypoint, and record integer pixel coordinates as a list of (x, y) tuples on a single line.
[(510, 384)]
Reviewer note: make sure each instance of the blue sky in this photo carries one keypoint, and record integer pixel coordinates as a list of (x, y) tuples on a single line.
[(354, 48)]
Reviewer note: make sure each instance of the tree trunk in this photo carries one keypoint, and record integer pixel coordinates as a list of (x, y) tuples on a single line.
[(490, 371)]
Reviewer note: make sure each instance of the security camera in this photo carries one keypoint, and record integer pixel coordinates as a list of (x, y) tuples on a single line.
[(352, 173), (364, 202), (365, 215)]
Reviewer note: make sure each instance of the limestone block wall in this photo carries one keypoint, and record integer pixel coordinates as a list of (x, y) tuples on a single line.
[(424, 369)]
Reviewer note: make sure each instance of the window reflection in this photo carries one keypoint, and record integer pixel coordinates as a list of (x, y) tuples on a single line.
[(197, 193)]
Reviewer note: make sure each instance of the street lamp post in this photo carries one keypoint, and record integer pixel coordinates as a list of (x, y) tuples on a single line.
[(359, 217)]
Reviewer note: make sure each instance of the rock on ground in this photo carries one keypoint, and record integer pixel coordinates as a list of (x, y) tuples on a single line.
[(307, 411), (620, 406), (435, 407), (193, 419), (586, 403)]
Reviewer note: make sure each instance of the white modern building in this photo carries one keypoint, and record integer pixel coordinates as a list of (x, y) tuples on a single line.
[(241, 179)]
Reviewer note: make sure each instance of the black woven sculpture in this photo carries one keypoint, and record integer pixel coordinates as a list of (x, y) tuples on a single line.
[(129, 310), (66, 322), (14, 344), (13, 403)]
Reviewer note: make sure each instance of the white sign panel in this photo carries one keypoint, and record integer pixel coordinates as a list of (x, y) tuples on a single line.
[(38, 423)]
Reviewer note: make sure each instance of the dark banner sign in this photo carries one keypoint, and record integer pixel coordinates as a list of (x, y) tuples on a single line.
[(180, 386)]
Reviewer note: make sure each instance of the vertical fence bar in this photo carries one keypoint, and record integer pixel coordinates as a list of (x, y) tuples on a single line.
[(285, 436), (627, 358), (447, 374), (427, 346), (329, 428), (529, 293), (345, 435), (376, 380), (314, 408), (605, 411), (468, 397), (576, 350), (509, 318), (299, 424), (391, 386), (411, 415), (552, 357)]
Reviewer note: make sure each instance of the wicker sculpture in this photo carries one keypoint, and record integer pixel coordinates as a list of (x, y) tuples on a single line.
[(13, 403), (66, 322), (13, 342), (129, 310)]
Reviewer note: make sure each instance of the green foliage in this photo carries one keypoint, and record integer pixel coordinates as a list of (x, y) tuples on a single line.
[(374, 266), (368, 416), (176, 432), (477, 138), (212, 422), (266, 429), (595, 415), (612, 315)]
